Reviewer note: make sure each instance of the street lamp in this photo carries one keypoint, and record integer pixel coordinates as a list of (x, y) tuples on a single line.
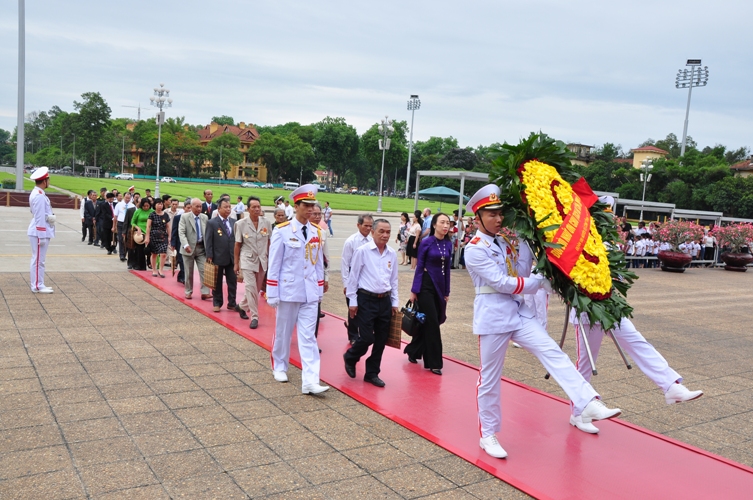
[(414, 103), (73, 158), (122, 156), (685, 79), (385, 128), (646, 166), (161, 99)]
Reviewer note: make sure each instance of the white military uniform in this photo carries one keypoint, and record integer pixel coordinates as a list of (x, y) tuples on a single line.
[(41, 230), (500, 315), (645, 356), (295, 279), (253, 260)]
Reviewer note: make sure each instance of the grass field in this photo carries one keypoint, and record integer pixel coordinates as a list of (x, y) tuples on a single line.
[(27, 183), (362, 203)]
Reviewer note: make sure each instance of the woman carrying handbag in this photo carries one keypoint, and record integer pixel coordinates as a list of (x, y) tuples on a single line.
[(430, 293)]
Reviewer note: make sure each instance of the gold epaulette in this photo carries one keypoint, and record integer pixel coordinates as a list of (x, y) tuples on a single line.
[(283, 224), (323, 228)]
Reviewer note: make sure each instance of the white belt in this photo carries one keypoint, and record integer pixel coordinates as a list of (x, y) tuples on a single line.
[(485, 289)]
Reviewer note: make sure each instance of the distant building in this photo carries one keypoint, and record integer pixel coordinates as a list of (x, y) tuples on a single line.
[(645, 153), (583, 154), (743, 168), (249, 170), (326, 177)]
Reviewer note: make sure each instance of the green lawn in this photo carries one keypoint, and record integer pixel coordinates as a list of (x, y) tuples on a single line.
[(183, 190), (28, 185)]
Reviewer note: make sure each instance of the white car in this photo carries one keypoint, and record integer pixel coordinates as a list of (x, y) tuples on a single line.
[(167, 179), (249, 185), (124, 177)]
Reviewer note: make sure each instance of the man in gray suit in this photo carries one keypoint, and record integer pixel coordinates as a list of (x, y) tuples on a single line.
[(220, 246), (192, 229)]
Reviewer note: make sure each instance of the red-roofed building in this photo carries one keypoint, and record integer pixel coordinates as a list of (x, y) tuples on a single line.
[(247, 135), (645, 153), (743, 168)]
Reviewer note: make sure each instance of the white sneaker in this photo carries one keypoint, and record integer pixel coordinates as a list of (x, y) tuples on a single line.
[(314, 388), (516, 345), (44, 289), (492, 447), (678, 393), (280, 376), (583, 426), (596, 410)]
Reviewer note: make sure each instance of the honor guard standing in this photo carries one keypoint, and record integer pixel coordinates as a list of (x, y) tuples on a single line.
[(41, 229), (500, 275), (295, 282)]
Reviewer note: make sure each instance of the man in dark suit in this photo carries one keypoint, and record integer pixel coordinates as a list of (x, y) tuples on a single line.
[(104, 216), (90, 213), (208, 207), (175, 240), (219, 242)]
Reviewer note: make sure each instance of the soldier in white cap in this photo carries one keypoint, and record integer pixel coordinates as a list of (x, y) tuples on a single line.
[(41, 229), (500, 275), (295, 283)]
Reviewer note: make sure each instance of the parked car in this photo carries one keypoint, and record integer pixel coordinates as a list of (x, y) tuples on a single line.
[(339, 190), (124, 177), (165, 179), (268, 185), (249, 185)]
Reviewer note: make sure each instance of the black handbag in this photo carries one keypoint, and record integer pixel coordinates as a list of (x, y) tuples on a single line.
[(410, 321)]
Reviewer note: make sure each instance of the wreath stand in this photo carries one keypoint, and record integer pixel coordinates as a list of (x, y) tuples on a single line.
[(585, 342)]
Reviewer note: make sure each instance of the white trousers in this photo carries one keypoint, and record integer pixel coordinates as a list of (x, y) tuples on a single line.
[(253, 281), (533, 338), (38, 254), (645, 356), (539, 303), (303, 315)]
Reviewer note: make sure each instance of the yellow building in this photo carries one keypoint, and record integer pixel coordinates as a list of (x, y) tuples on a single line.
[(247, 135), (583, 155), (743, 168), (645, 153)]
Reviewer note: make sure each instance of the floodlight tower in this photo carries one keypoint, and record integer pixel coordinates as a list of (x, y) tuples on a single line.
[(161, 99), (385, 128), (414, 103), (695, 78), (646, 166)]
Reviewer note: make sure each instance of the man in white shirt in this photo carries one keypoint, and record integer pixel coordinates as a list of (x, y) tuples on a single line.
[(327, 212), (365, 224), (239, 208), (372, 292), (119, 217), (709, 242), (289, 210), (640, 249), (426, 226)]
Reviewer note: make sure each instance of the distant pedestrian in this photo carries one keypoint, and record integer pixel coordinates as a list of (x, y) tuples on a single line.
[(414, 237), (327, 213), (402, 238), (157, 231), (239, 208)]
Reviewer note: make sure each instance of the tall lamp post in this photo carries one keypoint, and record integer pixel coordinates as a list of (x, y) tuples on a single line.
[(385, 128), (161, 99), (122, 156), (646, 166), (414, 103), (20, 141), (695, 78)]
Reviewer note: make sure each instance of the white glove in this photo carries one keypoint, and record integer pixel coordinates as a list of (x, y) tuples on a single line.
[(51, 219), (273, 301), (544, 283)]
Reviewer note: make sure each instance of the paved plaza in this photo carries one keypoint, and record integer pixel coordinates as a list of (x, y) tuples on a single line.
[(112, 389)]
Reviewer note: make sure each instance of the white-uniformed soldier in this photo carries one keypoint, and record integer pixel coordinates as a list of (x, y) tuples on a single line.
[(295, 281), (500, 275), (41, 229)]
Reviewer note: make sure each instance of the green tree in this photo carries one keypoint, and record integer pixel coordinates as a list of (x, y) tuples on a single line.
[(224, 152), (395, 159), (223, 120), (336, 144), (7, 155), (286, 157), (92, 123)]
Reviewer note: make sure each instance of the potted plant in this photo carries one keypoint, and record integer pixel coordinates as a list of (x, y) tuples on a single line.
[(674, 233), (735, 237)]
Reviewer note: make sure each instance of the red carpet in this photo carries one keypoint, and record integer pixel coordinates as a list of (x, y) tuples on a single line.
[(547, 457)]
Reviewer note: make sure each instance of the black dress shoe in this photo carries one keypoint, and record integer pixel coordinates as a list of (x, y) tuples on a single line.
[(241, 312), (321, 315), (254, 324), (91, 243), (375, 380), (412, 359), (350, 370), (436, 371), (182, 281)]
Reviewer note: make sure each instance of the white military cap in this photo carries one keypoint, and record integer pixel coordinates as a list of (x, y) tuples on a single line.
[(305, 194), (485, 198), (40, 174)]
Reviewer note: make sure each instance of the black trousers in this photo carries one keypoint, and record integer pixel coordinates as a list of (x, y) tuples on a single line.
[(105, 237), (88, 225), (179, 261), (427, 343), (121, 239), (137, 258), (232, 284), (373, 321), (352, 325)]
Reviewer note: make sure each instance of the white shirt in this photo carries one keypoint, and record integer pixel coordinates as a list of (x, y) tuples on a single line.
[(121, 208), (240, 207), (353, 243), (289, 212), (81, 208), (640, 248), (373, 271), (327, 214)]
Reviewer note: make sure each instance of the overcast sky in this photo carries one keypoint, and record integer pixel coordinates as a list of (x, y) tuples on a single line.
[(486, 71)]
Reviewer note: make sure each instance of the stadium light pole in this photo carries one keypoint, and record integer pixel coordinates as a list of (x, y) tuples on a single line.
[(20, 142), (646, 166), (385, 128), (414, 103), (161, 99), (695, 78)]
